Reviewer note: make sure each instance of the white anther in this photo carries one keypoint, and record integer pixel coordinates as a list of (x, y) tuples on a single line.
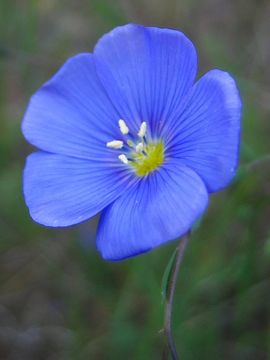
[(142, 130), (123, 127), (139, 147), (130, 143), (123, 158), (115, 144)]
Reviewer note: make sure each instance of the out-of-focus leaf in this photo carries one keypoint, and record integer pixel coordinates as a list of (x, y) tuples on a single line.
[(166, 278)]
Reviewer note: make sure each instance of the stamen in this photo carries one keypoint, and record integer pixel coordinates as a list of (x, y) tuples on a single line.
[(139, 147), (142, 130), (123, 158), (139, 154), (123, 127), (115, 144), (130, 143)]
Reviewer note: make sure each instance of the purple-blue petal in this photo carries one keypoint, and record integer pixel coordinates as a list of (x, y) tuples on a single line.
[(62, 191), (146, 71), (71, 114), (205, 133), (161, 207)]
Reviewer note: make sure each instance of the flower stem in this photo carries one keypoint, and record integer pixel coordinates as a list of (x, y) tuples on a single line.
[(180, 250)]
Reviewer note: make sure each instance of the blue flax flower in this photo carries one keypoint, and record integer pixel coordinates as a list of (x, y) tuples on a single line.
[(127, 131)]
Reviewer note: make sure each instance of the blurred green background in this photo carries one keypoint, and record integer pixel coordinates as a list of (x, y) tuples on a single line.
[(58, 298)]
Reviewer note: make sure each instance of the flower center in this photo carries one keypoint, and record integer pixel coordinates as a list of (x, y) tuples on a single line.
[(149, 160), (143, 156)]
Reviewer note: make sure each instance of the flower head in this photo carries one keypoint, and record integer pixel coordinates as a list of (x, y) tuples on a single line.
[(126, 131)]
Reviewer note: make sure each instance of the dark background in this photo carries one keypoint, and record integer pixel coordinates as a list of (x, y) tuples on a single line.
[(58, 298)]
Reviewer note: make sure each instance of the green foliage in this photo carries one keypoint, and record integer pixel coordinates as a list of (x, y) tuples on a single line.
[(166, 278)]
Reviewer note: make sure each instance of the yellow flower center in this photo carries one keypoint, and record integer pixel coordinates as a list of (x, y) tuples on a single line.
[(143, 156), (148, 160)]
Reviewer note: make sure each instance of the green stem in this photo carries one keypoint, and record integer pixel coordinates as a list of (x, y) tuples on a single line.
[(180, 250)]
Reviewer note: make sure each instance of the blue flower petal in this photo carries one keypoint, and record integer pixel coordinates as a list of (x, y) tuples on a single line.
[(71, 114), (159, 208), (146, 72), (62, 191), (205, 134)]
